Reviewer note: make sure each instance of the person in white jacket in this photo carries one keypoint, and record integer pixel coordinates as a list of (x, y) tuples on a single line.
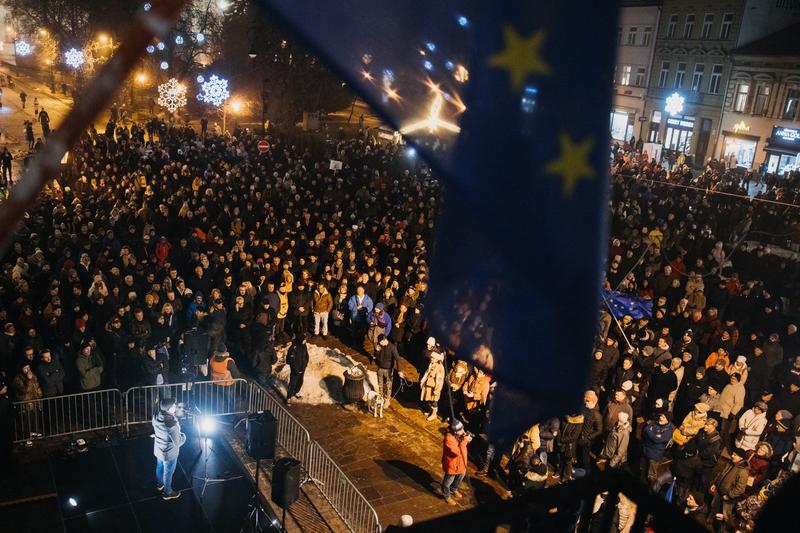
[(751, 426)]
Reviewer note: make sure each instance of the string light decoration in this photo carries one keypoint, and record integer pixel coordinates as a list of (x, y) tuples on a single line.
[(214, 91), (172, 95), (22, 48), (74, 58)]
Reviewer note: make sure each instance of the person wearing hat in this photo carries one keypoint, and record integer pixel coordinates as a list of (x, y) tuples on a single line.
[(779, 435), (431, 383), (155, 366), (90, 367), (731, 402), (618, 404), (692, 387), (695, 508), (615, 449), (758, 466), (692, 424), (751, 425), (454, 460), (728, 482), (655, 436)]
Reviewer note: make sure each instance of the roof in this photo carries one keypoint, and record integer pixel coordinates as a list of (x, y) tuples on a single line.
[(784, 42)]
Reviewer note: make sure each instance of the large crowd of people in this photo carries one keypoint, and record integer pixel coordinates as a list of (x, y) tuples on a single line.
[(167, 232)]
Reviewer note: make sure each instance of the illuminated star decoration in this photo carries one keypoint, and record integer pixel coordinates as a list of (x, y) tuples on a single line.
[(214, 91), (521, 56), (573, 164), (172, 95), (674, 104), (433, 121), (74, 58), (22, 48)]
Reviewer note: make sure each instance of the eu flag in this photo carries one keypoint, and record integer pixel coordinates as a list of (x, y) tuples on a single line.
[(623, 304), (509, 102)]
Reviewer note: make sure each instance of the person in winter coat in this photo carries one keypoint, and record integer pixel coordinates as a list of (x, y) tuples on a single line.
[(662, 383), (155, 366), (90, 367), (263, 340), (619, 404), (431, 384), (567, 445), (731, 402), (655, 436), (692, 464), (476, 390), (758, 466), (692, 424), (615, 449), (297, 358), (378, 323), (689, 392), (166, 446), (592, 428), (728, 482), (454, 460), (751, 425), (239, 328), (50, 374), (322, 305), (26, 389), (359, 306)]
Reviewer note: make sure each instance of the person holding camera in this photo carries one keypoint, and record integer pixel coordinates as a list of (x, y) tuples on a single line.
[(454, 460), (166, 446)]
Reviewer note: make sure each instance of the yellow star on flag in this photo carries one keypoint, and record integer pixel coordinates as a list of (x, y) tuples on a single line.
[(573, 164), (521, 56)]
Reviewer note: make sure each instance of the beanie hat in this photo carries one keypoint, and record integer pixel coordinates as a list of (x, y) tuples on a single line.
[(456, 426)]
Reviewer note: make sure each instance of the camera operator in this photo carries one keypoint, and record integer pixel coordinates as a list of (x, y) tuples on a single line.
[(454, 460), (166, 446)]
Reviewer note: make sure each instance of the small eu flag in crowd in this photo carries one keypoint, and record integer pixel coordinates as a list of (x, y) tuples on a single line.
[(623, 304), (509, 102)]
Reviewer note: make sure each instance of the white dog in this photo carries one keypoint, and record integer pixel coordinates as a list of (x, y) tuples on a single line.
[(375, 404)]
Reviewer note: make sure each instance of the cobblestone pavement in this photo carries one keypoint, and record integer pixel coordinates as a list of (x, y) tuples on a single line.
[(394, 461)]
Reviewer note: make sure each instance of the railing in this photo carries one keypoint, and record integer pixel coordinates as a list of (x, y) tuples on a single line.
[(344, 497), (209, 397), (106, 409), (292, 436), (68, 414)]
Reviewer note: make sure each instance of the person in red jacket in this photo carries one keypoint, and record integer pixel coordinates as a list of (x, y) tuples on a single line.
[(162, 250), (454, 460)]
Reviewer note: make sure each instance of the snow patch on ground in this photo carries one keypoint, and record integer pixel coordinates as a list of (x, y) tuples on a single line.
[(324, 376)]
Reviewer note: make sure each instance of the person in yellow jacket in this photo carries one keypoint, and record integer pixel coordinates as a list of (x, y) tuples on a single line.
[(282, 311), (691, 425)]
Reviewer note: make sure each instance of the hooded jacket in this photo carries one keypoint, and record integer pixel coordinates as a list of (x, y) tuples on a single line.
[(616, 447), (168, 436)]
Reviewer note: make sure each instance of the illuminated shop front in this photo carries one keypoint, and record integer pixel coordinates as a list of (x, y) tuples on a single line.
[(783, 150), (741, 146)]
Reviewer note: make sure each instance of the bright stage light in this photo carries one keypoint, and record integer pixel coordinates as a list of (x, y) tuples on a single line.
[(208, 425), (411, 152)]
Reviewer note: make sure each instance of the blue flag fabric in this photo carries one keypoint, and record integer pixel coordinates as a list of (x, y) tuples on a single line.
[(623, 304), (509, 102)]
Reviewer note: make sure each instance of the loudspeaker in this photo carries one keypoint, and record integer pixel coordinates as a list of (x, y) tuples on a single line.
[(196, 346), (285, 481), (261, 431)]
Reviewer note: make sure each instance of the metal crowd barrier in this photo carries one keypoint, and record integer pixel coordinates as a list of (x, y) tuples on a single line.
[(292, 436), (105, 409), (344, 497), (71, 413), (209, 397)]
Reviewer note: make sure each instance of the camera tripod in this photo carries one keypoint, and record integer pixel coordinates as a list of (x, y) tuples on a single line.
[(252, 523)]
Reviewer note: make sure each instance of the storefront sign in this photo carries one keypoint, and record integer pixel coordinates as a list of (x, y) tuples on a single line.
[(786, 135), (741, 126)]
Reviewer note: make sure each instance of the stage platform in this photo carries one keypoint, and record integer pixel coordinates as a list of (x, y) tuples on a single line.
[(111, 488)]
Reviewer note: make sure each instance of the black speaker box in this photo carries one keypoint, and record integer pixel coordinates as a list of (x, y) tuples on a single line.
[(261, 431), (285, 482)]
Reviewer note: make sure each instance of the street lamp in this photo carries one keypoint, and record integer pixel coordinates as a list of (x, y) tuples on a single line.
[(235, 106)]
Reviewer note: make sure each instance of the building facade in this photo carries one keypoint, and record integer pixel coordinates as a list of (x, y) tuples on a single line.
[(636, 37), (693, 64), (761, 118), (691, 68)]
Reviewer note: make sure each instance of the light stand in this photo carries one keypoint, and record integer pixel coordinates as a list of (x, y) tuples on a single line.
[(204, 426), (252, 523)]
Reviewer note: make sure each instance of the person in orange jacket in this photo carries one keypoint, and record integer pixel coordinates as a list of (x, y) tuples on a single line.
[(454, 460)]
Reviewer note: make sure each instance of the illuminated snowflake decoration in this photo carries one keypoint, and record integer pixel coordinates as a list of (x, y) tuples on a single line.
[(22, 48), (200, 37), (674, 104), (214, 91), (164, 65), (74, 58), (150, 48), (179, 39), (147, 6), (172, 95)]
